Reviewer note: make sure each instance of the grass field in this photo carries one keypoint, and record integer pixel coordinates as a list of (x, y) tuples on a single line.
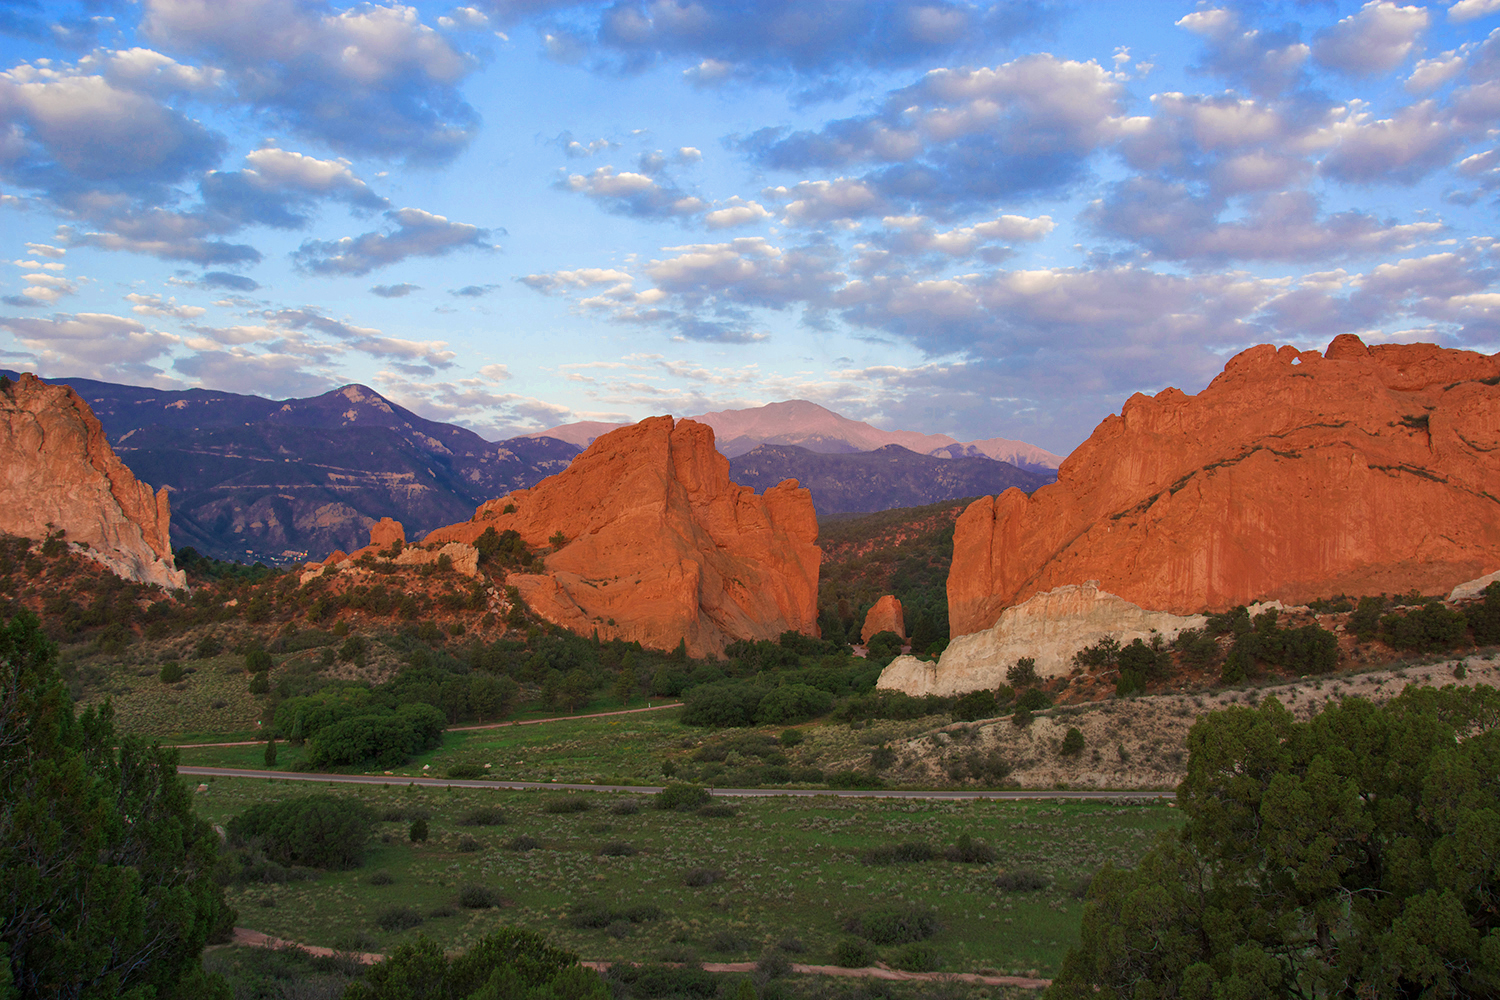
[(784, 868)]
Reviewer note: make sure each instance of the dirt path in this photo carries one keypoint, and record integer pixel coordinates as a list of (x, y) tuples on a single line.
[(465, 729), (255, 939)]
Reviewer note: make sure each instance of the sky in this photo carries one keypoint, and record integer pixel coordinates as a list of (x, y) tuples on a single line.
[(983, 220)]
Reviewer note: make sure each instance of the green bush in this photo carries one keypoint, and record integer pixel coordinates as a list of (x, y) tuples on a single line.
[(894, 924), (699, 877), (398, 918), (318, 831), (473, 896), (1365, 621), (258, 661), (1484, 618), (723, 705), (650, 981), (567, 804), (466, 771), (483, 816), (969, 851), (852, 953), (1431, 628), (260, 683), (1072, 744), (617, 849), (792, 703), (918, 957), (854, 779), (418, 832), (792, 737), (381, 738), (1128, 683), (1022, 880), (208, 647), (171, 672), (1023, 674), (681, 797), (884, 647), (1034, 700), (1021, 718), (522, 842), (913, 852), (975, 705)]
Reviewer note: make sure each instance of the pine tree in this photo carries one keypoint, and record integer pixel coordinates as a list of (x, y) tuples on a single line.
[(271, 752)]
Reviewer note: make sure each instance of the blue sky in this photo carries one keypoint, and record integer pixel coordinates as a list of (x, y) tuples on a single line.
[(981, 220)]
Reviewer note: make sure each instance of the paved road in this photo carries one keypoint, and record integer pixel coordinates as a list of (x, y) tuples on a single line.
[(843, 793)]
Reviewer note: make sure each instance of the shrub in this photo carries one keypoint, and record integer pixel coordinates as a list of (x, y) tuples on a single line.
[(568, 804), (399, 814), (727, 941), (483, 816), (382, 738), (260, 683), (1033, 700), (1020, 718), (465, 771), (894, 924), (319, 831), (617, 849), (884, 647), (1023, 674), (473, 896), (681, 797), (918, 957), (209, 646), (882, 758), (899, 854), (792, 944), (1430, 628), (418, 832), (1021, 880), (626, 807), (663, 981), (792, 703), (522, 842), (381, 877), (722, 705), (854, 779), (441, 911), (792, 737), (716, 810), (171, 672), (969, 851), (852, 953), (1128, 683), (975, 705), (398, 918), (258, 661), (269, 757), (699, 877), (1072, 744), (467, 845), (1197, 647), (1484, 619)]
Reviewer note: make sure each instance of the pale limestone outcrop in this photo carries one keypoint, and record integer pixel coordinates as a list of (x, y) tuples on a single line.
[(652, 543), (1049, 628), (58, 471), (1473, 588), (386, 532), (885, 616)]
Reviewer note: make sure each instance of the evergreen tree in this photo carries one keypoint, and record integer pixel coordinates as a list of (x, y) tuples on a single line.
[(104, 869)]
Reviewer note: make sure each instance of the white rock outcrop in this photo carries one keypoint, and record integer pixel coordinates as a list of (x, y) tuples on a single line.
[(1473, 588), (1049, 628)]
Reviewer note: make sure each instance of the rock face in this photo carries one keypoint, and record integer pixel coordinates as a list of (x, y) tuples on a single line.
[(885, 616), (1294, 475), (660, 546), (386, 531), (1050, 628), (57, 469)]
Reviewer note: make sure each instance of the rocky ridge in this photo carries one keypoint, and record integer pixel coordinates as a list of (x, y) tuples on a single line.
[(1294, 475), (652, 542), (58, 472)]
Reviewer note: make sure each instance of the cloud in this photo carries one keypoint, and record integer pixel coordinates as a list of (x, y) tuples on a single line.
[(394, 291), (1171, 222), (240, 370), (473, 291), (98, 345), (1430, 74), (771, 40), (960, 139), (914, 236), (560, 281), (233, 282), (1267, 63), (736, 212), (433, 353), (495, 373), (366, 80), (811, 203), (41, 289), (1376, 40), (415, 234), (46, 250), (154, 305), (1468, 10), (1404, 148), (633, 194)]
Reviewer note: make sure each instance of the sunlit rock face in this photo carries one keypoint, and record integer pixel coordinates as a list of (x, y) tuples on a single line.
[(57, 471), (1293, 475), (658, 546)]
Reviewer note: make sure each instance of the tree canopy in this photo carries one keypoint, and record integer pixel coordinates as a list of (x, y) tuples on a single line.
[(105, 873), (1353, 855)]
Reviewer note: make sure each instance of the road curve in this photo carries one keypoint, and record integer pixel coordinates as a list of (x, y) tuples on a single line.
[(843, 793)]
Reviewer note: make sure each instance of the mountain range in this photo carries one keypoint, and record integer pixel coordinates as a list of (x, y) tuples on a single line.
[(818, 429), (281, 481)]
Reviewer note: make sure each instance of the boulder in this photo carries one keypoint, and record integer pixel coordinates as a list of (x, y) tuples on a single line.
[(658, 546), (58, 471), (1049, 628), (386, 532), (1294, 475), (885, 616)]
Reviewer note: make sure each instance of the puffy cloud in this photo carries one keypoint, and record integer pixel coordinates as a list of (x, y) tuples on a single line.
[(100, 345), (168, 242), (736, 212), (466, 18), (46, 250), (415, 234), (816, 202), (750, 271), (473, 291), (1376, 40), (154, 305), (913, 235), (394, 291), (960, 138), (781, 39), (1404, 148), (1430, 74), (562, 281), (41, 289), (1468, 10), (232, 282), (1266, 63), (1171, 222), (241, 370), (634, 194), (370, 79), (433, 353)]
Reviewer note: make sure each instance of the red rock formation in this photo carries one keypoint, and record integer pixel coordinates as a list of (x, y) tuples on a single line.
[(57, 470), (1294, 475), (660, 546), (884, 616), (385, 532)]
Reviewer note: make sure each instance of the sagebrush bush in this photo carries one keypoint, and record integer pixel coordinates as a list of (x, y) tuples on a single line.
[(570, 804), (398, 918), (852, 953), (617, 849), (318, 831), (467, 845), (716, 810), (969, 851), (474, 896), (1021, 880), (626, 807), (918, 957), (912, 852), (681, 797), (381, 877), (522, 842), (897, 924), (484, 816), (699, 877), (171, 672), (466, 771)]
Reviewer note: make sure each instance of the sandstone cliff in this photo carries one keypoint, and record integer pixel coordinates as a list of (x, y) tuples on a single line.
[(885, 615), (659, 546), (57, 470), (1294, 475), (1049, 628)]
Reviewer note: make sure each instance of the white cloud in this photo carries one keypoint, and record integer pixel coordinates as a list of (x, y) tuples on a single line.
[(1376, 40), (153, 305), (415, 234), (1430, 74), (736, 212), (1468, 10)]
